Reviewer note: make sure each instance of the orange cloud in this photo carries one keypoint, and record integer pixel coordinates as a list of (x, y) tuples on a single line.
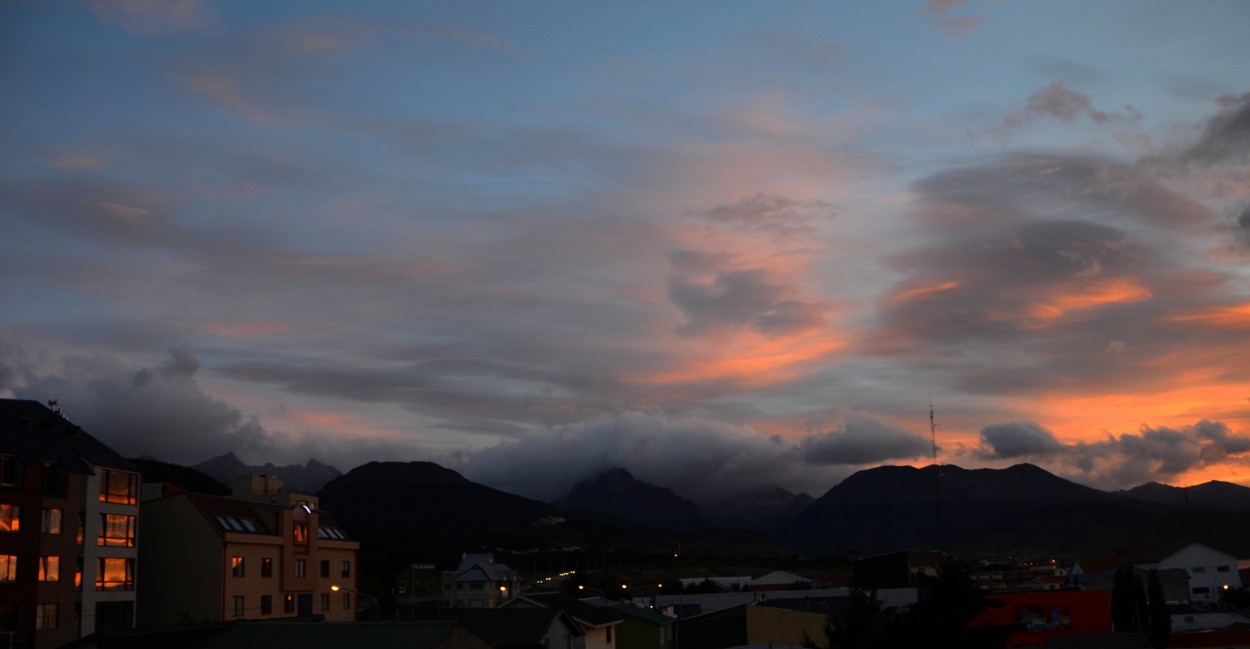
[(1093, 296), (1089, 418), (1228, 316), (925, 290), (747, 360)]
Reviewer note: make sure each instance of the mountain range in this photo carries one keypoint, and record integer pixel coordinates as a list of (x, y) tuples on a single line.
[(1022, 507), (308, 478)]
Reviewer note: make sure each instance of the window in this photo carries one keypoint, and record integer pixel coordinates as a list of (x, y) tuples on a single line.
[(1198, 570), (347, 569), (8, 567), (10, 471), (78, 573), (236, 566), (115, 573), (55, 479), (45, 616), (10, 517), (347, 601), (609, 634), (119, 487), (266, 567), (325, 601), (325, 567), (238, 605), (117, 530), (1202, 590), (51, 522), (266, 604), (299, 568), (288, 604), (50, 568), (301, 533), (1221, 568)]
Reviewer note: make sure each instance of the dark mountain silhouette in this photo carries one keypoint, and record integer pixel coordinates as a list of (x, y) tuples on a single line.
[(423, 498), (617, 496), (762, 509), (307, 478), (1018, 508), (1216, 495), (182, 477)]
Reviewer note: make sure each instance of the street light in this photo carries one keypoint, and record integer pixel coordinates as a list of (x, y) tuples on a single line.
[(376, 608)]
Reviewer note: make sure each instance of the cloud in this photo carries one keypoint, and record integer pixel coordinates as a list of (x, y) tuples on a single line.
[(1226, 137), (940, 14), (770, 214), (863, 439), (1058, 102), (225, 89), (1119, 461), (152, 17), (1017, 439), (715, 295), (159, 411)]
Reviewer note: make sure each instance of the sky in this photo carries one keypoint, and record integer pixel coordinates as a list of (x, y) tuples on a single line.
[(722, 245)]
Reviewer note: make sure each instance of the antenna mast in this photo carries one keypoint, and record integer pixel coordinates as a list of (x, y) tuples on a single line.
[(933, 430)]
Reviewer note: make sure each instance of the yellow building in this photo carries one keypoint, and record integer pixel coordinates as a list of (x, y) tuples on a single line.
[(211, 558)]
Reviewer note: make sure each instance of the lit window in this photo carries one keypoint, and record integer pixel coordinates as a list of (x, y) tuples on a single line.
[(300, 568), (51, 523), (117, 530), (45, 616), (288, 604), (266, 567), (301, 533), (10, 517), (266, 604), (325, 601), (8, 567), (50, 568), (347, 569), (236, 567), (238, 605), (115, 573), (119, 487)]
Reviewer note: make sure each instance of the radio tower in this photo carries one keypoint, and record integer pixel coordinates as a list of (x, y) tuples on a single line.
[(937, 477)]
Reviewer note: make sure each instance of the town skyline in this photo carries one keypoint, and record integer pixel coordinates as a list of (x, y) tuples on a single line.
[(712, 247)]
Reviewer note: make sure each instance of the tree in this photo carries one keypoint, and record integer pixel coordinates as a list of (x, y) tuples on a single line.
[(1159, 621), (1129, 607)]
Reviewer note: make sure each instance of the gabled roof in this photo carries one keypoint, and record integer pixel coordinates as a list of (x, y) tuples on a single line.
[(645, 614), (35, 434), (239, 516), (778, 578), (482, 567), (583, 613), (512, 628)]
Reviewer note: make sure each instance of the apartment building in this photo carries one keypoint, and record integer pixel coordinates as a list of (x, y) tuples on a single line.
[(69, 511)]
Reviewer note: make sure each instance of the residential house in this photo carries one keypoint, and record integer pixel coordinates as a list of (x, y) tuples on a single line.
[(1211, 572), (479, 582), (213, 558), (305, 634), (520, 628), (644, 627), (69, 510), (755, 623), (779, 580), (600, 626)]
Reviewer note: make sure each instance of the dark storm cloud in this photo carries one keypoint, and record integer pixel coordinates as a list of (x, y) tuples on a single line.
[(715, 295), (1118, 462), (1017, 439), (1226, 138), (862, 439), (159, 411)]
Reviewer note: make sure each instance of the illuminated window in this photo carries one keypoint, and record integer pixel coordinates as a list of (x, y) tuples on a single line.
[(301, 533), (117, 530), (10, 517), (50, 568), (347, 569), (115, 573), (238, 605), (325, 568), (288, 604), (236, 567), (266, 567), (325, 601), (45, 616), (51, 523), (8, 567), (119, 487), (300, 568), (266, 604), (347, 601)]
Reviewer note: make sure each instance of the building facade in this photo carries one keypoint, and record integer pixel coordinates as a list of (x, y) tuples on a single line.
[(213, 558), (69, 512), (479, 582)]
